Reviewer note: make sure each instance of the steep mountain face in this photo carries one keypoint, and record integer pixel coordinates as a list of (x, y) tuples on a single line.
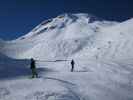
[(70, 22), (74, 35)]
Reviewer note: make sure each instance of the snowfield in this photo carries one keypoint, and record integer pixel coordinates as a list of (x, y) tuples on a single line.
[(102, 51)]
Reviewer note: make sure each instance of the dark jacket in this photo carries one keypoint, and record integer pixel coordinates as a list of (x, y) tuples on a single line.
[(32, 66), (72, 62)]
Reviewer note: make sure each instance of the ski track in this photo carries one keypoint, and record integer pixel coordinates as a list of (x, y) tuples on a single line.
[(72, 88), (71, 94)]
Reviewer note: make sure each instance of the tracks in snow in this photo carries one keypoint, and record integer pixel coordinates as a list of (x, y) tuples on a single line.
[(73, 92)]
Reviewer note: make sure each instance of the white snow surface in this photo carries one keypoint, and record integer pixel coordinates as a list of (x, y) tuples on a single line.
[(102, 51)]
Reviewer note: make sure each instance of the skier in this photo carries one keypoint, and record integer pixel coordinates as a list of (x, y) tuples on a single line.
[(72, 65), (33, 68)]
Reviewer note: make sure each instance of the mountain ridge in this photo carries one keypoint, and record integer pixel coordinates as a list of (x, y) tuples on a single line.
[(71, 35)]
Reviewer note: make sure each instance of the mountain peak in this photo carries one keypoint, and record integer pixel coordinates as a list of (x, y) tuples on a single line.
[(80, 15), (73, 34), (67, 21)]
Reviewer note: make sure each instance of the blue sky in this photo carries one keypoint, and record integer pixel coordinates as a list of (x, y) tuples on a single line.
[(18, 17)]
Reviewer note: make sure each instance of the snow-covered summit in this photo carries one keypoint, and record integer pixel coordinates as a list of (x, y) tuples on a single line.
[(74, 35), (67, 21)]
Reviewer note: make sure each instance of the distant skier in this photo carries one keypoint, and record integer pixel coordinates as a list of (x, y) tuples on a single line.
[(33, 68), (72, 65)]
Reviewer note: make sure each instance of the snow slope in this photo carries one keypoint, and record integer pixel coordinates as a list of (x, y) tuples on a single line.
[(102, 51), (101, 81), (74, 36), (59, 37)]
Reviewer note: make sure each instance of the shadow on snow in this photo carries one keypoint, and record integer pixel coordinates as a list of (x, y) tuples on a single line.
[(11, 68)]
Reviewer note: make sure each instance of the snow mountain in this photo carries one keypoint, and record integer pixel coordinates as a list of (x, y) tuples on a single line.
[(102, 51), (59, 38)]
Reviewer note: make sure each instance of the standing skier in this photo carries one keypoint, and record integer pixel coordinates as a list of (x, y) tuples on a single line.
[(72, 65), (33, 68)]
